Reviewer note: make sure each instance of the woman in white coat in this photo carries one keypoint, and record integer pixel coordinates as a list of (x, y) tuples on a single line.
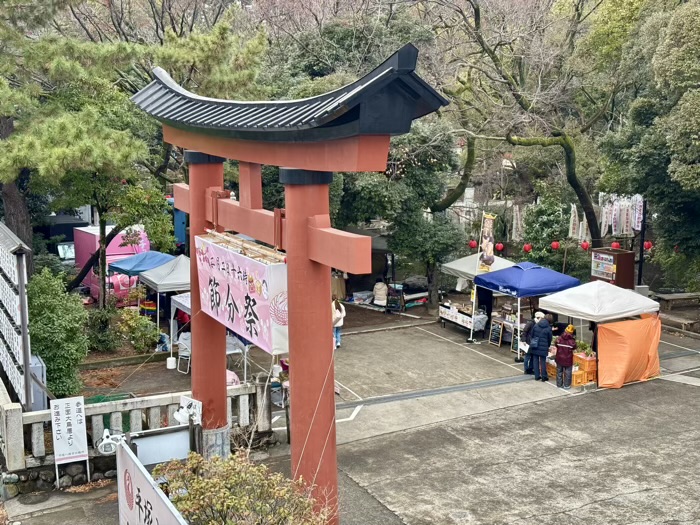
[(338, 311)]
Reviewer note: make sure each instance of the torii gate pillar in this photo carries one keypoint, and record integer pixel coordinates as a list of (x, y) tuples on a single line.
[(208, 335), (306, 195)]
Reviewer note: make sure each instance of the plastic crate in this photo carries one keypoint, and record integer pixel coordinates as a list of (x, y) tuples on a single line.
[(578, 378), (591, 376), (551, 370), (587, 364)]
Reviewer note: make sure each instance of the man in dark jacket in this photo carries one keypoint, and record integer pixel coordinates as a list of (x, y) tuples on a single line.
[(527, 336), (540, 341)]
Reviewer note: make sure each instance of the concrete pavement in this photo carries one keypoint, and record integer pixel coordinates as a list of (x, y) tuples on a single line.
[(626, 456), (432, 430)]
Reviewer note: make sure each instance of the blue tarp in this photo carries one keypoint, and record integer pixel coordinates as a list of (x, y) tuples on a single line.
[(140, 262), (526, 279)]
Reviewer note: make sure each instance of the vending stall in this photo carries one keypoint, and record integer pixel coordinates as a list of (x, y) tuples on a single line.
[(628, 329), (520, 281), (463, 313)]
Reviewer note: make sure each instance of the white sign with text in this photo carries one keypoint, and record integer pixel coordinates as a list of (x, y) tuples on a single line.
[(141, 502), (69, 430), (192, 406)]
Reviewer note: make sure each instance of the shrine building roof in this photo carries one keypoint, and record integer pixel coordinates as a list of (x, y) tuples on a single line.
[(383, 102)]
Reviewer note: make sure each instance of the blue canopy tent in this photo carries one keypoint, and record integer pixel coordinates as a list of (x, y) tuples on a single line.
[(136, 264), (139, 263), (525, 279)]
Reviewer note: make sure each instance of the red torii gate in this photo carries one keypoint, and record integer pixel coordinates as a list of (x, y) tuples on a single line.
[(344, 130)]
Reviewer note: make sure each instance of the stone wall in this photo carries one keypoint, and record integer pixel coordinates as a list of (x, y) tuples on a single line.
[(43, 479)]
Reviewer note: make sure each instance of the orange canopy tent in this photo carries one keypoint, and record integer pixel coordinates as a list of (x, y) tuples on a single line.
[(628, 350)]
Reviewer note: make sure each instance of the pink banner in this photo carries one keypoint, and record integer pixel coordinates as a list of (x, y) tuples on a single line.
[(246, 295)]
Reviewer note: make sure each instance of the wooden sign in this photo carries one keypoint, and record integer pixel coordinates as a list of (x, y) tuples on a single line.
[(514, 341), (496, 334)]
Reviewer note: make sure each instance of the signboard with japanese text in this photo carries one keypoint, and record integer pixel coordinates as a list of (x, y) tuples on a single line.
[(246, 295), (69, 430), (454, 315), (192, 406), (141, 502), (603, 266)]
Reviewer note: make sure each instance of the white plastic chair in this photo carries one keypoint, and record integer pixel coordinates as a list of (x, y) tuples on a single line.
[(184, 352), (235, 347)]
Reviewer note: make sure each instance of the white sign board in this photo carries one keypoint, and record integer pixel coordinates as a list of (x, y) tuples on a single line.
[(452, 314), (69, 430), (141, 502), (162, 444), (189, 405), (603, 266)]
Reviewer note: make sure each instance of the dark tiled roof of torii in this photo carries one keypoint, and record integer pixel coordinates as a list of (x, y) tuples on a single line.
[(383, 102)]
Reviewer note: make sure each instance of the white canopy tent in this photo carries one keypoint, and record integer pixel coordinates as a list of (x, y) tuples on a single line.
[(628, 349), (183, 302), (466, 268), (599, 301), (173, 276)]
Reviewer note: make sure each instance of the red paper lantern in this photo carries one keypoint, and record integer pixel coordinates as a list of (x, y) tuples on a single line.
[(499, 246), (585, 245), (555, 245), (615, 245), (527, 248), (472, 244), (648, 245)]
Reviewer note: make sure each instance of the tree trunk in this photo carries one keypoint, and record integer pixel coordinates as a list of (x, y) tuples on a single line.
[(583, 197), (17, 216), (92, 260), (103, 261), (433, 274), (458, 191), (561, 139)]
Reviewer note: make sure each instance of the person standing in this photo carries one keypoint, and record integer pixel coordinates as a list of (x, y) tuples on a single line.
[(527, 337), (338, 311), (540, 340), (566, 345)]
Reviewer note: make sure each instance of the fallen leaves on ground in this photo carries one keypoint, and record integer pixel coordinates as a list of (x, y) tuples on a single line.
[(88, 487), (109, 498), (102, 378)]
